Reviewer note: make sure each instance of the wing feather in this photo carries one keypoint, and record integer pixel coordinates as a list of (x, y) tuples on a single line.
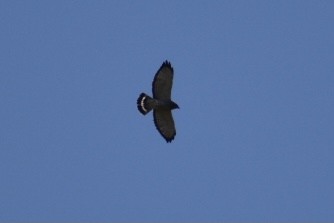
[(163, 81), (164, 123)]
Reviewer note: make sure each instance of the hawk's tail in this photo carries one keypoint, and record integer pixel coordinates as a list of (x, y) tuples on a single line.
[(143, 103)]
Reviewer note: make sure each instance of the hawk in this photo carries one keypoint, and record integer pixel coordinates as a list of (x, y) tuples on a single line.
[(161, 102)]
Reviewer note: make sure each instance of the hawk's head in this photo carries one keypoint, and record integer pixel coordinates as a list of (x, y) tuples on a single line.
[(173, 105)]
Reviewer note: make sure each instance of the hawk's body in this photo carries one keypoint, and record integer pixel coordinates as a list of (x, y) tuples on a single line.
[(161, 102)]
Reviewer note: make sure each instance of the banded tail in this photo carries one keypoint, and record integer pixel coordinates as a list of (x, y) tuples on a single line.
[(143, 103)]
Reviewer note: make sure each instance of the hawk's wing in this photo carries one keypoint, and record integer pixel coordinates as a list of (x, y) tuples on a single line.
[(163, 81), (164, 122)]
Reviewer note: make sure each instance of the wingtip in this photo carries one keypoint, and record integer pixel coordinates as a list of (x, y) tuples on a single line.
[(169, 140), (167, 64)]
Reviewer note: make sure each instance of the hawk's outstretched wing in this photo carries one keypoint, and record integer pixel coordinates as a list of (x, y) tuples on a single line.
[(164, 123), (163, 81)]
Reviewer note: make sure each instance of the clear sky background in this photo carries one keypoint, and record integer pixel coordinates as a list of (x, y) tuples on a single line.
[(254, 81)]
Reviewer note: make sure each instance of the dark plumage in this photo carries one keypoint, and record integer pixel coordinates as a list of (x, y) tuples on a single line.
[(161, 103)]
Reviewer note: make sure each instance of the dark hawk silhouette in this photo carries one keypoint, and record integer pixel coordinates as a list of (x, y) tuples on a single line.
[(161, 102)]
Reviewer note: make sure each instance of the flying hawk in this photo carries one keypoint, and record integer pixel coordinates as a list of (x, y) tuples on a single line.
[(161, 102)]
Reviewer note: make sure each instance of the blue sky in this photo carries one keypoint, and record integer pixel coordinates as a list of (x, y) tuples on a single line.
[(254, 80)]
